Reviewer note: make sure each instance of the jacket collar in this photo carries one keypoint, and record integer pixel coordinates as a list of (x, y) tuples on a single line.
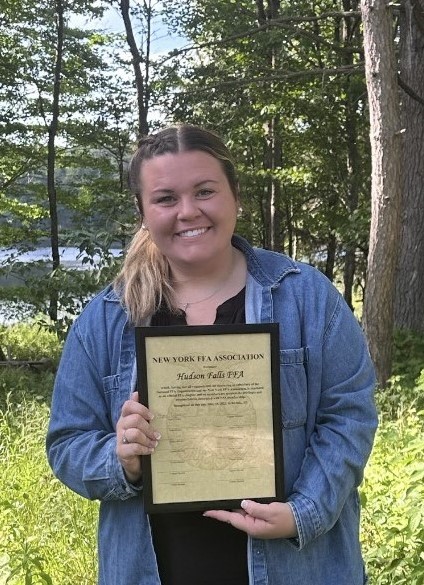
[(267, 267)]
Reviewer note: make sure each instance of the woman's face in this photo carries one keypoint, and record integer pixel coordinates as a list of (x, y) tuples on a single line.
[(188, 208)]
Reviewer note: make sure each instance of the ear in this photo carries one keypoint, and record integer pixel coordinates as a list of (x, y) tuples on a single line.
[(138, 206), (238, 194)]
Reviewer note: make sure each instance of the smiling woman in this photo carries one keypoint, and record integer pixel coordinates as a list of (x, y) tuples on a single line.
[(187, 192), (185, 266), (190, 212)]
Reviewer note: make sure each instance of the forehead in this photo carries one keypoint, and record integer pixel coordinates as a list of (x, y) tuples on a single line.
[(169, 167)]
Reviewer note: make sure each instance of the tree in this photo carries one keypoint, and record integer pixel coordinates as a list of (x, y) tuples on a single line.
[(385, 133), (52, 129), (139, 58), (290, 83), (409, 305), (56, 76)]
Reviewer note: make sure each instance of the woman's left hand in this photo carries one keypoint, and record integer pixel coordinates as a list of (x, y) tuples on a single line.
[(275, 520)]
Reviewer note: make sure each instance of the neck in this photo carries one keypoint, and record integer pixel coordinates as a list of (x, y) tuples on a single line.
[(204, 274), (213, 286)]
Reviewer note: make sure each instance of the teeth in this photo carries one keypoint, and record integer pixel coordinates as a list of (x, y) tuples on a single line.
[(192, 233)]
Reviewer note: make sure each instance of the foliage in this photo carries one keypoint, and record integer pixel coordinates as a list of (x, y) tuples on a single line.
[(74, 286), (94, 131), (38, 515), (408, 357), (405, 389), (393, 502), (243, 74), (47, 533), (393, 490), (29, 341)]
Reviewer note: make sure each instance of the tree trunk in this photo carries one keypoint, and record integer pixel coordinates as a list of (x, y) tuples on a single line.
[(349, 274), (290, 229), (51, 155), (380, 68), (141, 82), (331, 256), (273, 155), (409, 304), (350, 37)]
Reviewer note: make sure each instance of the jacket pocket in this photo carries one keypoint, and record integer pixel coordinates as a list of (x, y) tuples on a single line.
[(114, 396), (293, 382), (111, 384)]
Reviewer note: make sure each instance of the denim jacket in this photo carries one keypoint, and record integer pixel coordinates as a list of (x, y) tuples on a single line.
[(328, 421)]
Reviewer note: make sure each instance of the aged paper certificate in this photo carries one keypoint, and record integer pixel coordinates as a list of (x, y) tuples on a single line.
[(213, 392)]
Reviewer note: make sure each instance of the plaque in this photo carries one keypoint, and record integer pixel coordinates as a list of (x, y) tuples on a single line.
[(214, 391)]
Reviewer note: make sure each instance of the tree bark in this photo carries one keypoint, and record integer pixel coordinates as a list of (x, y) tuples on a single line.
[(409, 304), (51, 154), (350, 38), (273, 151), (386, 150), (331, 256), (141, 82)]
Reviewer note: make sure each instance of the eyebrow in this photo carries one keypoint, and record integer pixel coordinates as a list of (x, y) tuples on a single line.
[(170, 191), (205, 181)]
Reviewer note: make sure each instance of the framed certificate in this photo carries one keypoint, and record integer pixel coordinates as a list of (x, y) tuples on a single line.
[(215, 393)]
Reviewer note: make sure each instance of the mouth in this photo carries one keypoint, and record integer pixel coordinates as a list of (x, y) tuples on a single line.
[(192, 233)]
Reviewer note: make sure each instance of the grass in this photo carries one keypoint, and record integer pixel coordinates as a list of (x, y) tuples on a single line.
[(48, 533), (393, 503)]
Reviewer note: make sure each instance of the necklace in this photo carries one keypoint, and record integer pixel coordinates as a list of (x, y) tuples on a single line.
[(185, 305)]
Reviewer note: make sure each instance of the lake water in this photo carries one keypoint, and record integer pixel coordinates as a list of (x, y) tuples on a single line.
[(70, 257)]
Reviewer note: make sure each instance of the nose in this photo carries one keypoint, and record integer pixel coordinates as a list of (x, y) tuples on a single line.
[(188, 208)]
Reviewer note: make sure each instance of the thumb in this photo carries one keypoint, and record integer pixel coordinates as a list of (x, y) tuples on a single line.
[(256, 510)]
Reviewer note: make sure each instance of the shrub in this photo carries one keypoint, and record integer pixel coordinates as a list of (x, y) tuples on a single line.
[(393, 502), (48, 534), (29, 341)]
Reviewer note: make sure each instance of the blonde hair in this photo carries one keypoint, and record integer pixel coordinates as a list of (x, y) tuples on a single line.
[(144, 281)]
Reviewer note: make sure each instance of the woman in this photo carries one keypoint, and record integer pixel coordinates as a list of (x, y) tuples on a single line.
[(186, 266)]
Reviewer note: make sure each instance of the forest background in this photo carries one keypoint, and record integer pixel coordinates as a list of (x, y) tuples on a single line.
[(322, 104)]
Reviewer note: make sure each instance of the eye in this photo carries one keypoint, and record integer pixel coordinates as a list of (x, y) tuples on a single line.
[(205, 193), (165, 200)]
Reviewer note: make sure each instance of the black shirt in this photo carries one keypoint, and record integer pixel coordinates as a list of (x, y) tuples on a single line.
[(192, 549)]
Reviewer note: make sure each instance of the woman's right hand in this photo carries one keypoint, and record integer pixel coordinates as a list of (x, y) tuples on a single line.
[(134, 437)]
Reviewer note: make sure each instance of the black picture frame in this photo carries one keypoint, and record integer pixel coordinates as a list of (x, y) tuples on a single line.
[(204, 369)]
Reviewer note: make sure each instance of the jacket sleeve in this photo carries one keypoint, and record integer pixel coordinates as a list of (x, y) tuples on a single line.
[(345, 424), (81, 439)]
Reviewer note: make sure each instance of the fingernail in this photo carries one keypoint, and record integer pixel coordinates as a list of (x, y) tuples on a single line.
[(157, 435), (243, 504)]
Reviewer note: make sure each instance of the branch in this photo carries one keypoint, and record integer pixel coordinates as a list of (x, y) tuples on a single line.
[(277, 22), (24, 168), (408, 89), (43, 364), (314, 37), (344, 70)]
